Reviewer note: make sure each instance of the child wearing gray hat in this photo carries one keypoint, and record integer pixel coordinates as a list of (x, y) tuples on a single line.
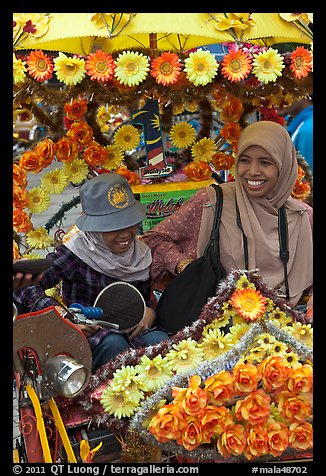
[(104, 249)]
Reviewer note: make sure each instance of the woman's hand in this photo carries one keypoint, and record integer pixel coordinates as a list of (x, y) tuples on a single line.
[(146, 322), (87, 330), (21, 280)]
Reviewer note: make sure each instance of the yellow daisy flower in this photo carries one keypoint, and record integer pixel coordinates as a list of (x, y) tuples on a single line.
[(54, 181), (157, 371), (201, 67), (116, 156), (302, 332), (238, 331), (19, 70), (76, 171), (185, 355), (268, 65), (38, 200), (215, 343), (228, 309), (278, 348), (39, 238), (244, 283), (117, 403), (291, 359), (127, 137), (218, 322), (256, 354), (204, 149), (178, 108), (131, 68), (182, 135), (266, 340), (32, 256), (269, 305), (129, 381), (70, 71)]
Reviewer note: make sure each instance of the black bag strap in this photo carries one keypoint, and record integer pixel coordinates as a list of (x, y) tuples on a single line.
[(284, 245), (214, 238)]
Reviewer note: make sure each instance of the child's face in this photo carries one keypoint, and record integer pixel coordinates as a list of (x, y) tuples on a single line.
[(120, 241)]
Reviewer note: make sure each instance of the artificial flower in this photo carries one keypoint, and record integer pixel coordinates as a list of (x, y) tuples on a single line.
[(192, 435), (274, 373), (95, 155), (66, 149), (220, 387), (45, 149), (54, 181), (238, 330), (301, 62), (157, 371), (19, 70), (256, 354), (266, 340), (34, 25), (69, 70), (237, 22), (201, 67), (222, 161), (166, 68), (295, 408), (302, 332), (86, 454), (301, 436), (127, 137), (182, 135), (232, 109), (38, 200), (279, 348), (76, 170), (15, 250), (291, 359), (75, 110), (185, 355), (236, 66), (278, 437), (246, 377), (254, 408), (268, 65), (117, 403), (39, 66), (127, 379), (100, 66), (132, 177), (167, 424), (21, 221), (214, 343), (231, 132), (301, 190), (193, 398), (257, 442), (300, 380), (203, 150), (115, 157), (19, 176), (20, 197), (232, 441), (215, 420), (244, 283), (32, 256), (131, 68), (81, 132), (39, 238), (250, 303)]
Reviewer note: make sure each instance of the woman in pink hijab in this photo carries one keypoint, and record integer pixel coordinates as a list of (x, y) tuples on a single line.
[(265, 173)]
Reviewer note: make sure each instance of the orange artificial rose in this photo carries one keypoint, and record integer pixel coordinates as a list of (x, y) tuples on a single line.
[(301, 380), (81, 132), (45, 149), (220, 387), (167, 424), (231, 132), (192, 435), (232, 110), (132, 177), (274, 373), (301, 190), (195, 398), (21, 221), (19, 176), (232, 441), (255, 408), (278, 438), (215, 420), (198, 171), (301, 436), (222, 161), (20, 197), (257, 442), (95, 155), (246, 377), (76, 110), (15, 251), (31, 162), (295, 408), (66, 149)]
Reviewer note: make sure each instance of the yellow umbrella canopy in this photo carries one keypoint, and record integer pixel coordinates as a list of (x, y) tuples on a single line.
[(82, 33)]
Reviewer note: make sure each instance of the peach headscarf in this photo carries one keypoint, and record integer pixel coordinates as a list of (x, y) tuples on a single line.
[(259, 217)]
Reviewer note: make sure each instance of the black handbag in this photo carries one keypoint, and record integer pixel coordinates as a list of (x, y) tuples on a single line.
[(184, 297)]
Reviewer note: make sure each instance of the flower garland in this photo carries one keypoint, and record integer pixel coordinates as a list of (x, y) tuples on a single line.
[(220, 335)]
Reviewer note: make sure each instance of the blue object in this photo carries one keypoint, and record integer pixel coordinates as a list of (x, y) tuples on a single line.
[(88, 312)]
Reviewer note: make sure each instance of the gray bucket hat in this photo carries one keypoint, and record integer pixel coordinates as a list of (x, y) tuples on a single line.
[(108, 204)]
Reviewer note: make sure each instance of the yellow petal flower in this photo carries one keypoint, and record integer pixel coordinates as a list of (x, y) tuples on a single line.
[(182, 135), (131, 68), (201, 67), (38, 200), (70, 71)]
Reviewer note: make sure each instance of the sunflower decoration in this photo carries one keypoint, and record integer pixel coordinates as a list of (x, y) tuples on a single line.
[(166, 68), (117, 403), (236, 65), (250, 303), (156, 371), (268, 65), (70, 71), (100, 66), (127, 137), (301, 62), (185, 355), (115, 157), (131, 68), (201, 67), (39, 66), (39, 238), (76, 170), (38, 200), (54, 181), (214, 343), (204, 150), (182, 135)]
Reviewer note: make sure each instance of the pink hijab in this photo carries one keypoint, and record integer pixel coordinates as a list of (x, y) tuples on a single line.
[(259, 217)]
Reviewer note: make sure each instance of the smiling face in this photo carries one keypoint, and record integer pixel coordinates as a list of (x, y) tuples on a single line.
[(257, 172), (120, 241)]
